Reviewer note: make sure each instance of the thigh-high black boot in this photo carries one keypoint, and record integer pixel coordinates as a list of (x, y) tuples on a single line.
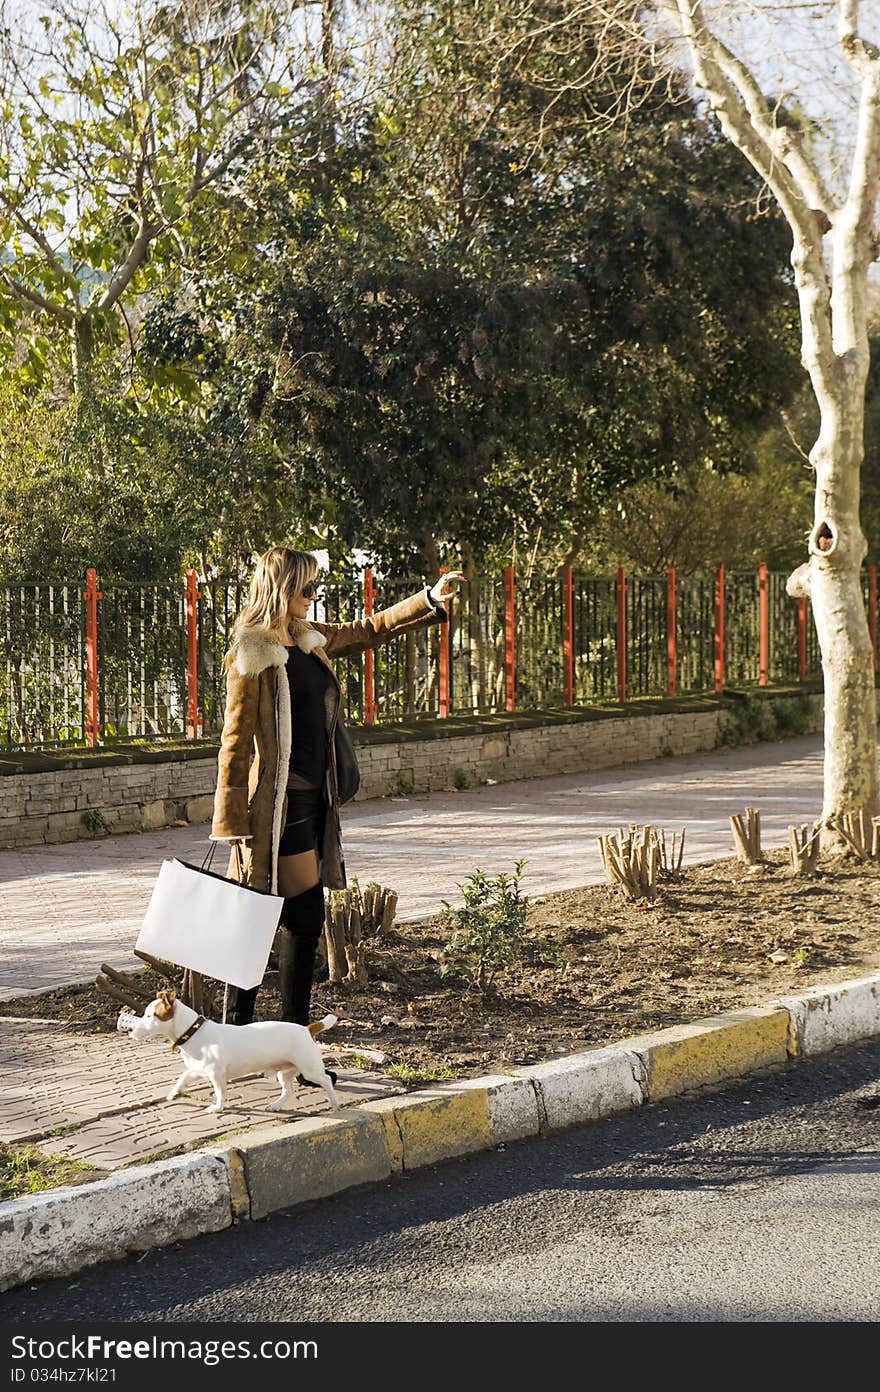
[(302, 919)]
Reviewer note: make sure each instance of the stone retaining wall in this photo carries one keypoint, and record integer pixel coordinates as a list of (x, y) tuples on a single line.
[(74, 803)]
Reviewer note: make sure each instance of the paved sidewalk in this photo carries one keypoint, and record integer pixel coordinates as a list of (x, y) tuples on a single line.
[(101, 1098), (65, 909)]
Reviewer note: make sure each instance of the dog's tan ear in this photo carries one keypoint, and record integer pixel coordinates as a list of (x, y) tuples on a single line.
[(165, 1005)]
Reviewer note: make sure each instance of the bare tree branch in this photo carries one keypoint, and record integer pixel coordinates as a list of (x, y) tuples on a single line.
[(856, 247), (787, 144), (861, 200), (129, 268), (814, 289), (35, 234)]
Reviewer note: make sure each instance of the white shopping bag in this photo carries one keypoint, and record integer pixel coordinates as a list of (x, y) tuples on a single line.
[(212, 925)]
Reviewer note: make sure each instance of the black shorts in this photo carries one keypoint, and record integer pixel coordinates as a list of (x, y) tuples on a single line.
[(304, 823)]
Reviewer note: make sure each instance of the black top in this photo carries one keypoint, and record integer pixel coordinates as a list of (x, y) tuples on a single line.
[(309, 680)]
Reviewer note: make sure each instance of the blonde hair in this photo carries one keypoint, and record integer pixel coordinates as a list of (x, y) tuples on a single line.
[(280, 574)]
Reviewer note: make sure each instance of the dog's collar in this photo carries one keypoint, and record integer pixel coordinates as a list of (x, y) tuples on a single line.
[(188, 1034)]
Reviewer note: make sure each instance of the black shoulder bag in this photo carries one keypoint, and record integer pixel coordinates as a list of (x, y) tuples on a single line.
[(348, 775)]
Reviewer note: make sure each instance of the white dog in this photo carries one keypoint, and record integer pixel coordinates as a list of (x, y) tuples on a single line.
[(219, 1053)]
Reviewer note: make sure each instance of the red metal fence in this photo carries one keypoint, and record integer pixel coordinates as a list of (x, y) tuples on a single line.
[(144, 660)]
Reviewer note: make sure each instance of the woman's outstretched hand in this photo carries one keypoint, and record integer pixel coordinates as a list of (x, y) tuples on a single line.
[(446, 586)]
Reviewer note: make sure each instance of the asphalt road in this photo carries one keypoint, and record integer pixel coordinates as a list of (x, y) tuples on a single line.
[(757, 1203)]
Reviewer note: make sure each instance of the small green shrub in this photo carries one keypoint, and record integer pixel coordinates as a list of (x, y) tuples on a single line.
[(489, 930), (461, 779), (748, 721), (758, 719), (95, 822), (404, 783)]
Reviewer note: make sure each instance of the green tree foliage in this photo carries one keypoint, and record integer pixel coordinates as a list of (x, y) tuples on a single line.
[(136, 489), (466, 317), (703, 519), (414, 306), (84, 483), (115, 131)]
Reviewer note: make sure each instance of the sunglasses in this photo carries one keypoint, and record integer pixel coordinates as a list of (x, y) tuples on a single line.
[(310, 590)]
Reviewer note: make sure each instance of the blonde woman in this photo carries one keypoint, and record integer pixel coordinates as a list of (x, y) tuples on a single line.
[(277, 794)]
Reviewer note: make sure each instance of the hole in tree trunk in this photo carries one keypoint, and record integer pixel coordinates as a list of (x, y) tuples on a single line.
[(823, 541)]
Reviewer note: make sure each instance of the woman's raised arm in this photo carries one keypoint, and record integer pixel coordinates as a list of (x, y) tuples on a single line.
[(416, 611)]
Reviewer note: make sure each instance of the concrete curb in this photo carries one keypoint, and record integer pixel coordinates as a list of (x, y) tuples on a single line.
[(277, 1167), (62, 1230), (585, 1087), (707, 1052), (826, 1016)]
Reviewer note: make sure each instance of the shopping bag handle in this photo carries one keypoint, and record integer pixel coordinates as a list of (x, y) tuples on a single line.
[(209, 856)]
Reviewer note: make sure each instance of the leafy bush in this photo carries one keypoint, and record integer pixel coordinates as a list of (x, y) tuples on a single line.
[(794, 716), (489, 929), (752, 718)]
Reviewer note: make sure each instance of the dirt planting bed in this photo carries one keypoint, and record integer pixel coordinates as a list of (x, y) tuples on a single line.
[(722, 937)]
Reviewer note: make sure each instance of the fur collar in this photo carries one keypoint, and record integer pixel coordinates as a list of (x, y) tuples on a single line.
[(256, 649)]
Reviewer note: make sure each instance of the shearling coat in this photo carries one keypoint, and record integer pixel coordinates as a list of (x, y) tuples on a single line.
[(259, 730)]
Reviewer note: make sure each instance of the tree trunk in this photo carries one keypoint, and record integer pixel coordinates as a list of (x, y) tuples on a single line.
[(477, 632), (411, 675), (837, 550), (834, 350)]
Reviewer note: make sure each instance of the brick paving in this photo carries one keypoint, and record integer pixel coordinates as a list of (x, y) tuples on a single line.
[(65, 909), (105, 1095)]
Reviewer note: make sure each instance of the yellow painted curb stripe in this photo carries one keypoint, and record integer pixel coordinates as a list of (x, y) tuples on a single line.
[(426, 1127), (710, 1051)]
